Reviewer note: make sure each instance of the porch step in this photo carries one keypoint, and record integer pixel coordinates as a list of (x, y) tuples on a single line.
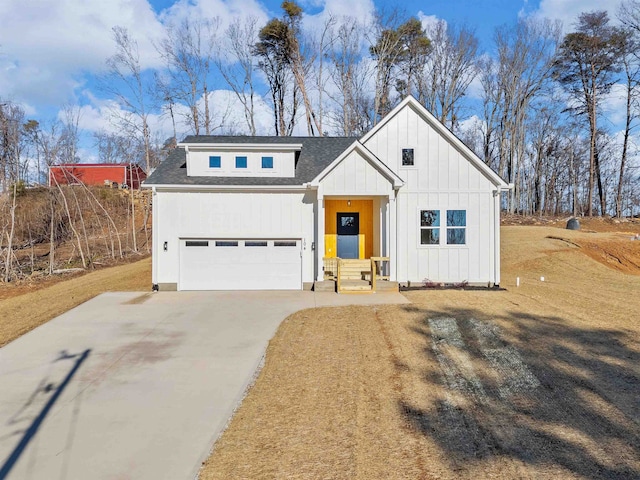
[(354, 269), (355, 286)]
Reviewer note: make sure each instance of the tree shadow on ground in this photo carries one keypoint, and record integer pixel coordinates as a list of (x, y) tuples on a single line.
[(536, 390), (53, 392)]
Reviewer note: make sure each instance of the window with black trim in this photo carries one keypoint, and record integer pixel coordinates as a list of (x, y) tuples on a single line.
[(407, 157), (215, 161), (284, 244), (253, 243), (429, 227), (267, 162), (241, 162), (226, 243), (197, 243), (456, 227)]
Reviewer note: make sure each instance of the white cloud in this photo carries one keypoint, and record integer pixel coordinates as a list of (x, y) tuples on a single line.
[(363, 10), (428, 21), (50, 48), (46, 46), (614, 104), (224, 10), (568, 10)]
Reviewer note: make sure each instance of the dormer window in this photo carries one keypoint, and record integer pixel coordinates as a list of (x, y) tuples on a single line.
[(241, 162), (267, 162), (215, 162), (407, 157)]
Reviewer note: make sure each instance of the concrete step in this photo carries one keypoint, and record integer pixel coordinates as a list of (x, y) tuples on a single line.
[(386, 286), (325, 286)]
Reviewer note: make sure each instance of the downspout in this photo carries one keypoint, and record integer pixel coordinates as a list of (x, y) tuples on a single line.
[(496, 221), (154, 241)]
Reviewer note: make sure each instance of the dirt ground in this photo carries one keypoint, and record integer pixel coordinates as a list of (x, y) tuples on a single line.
[(26, 305), (536, 381)]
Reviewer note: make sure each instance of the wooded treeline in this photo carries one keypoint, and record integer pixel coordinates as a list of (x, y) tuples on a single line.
[(554, 114)]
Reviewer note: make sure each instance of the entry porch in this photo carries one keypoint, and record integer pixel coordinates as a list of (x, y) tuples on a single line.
[(354, 236)]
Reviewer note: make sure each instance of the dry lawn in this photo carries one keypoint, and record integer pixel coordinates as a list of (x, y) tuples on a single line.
[(540, 381), (25, 307)]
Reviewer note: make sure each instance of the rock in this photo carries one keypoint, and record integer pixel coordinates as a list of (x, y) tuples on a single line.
[(573, 224)]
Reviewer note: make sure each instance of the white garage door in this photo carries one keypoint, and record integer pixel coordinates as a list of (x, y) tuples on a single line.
[(250, 264)]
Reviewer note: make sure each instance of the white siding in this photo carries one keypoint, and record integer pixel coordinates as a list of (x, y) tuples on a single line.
[(442, 178), (198, 164), (355, 176), (198, 214)]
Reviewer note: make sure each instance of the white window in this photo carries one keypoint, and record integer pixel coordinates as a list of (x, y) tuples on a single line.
[(429, 227), (456, 227)]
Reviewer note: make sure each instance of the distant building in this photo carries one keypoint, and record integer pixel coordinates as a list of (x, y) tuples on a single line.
[(129, 175)]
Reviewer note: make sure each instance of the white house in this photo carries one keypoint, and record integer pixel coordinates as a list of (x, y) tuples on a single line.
[(270, 212)]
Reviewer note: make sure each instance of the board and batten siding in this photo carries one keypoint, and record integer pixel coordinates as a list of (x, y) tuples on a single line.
[(442, 178), (198, 164), (354, 175), (232, 215)]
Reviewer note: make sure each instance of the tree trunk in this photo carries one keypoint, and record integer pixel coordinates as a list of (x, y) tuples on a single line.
[(625, 144), (7, 272)]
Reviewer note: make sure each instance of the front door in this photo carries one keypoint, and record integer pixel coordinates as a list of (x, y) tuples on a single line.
[(348, 229)]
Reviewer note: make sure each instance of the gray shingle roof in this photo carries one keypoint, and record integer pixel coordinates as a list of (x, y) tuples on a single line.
[(316, 154)]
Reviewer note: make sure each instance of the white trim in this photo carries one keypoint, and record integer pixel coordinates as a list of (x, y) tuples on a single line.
[(444, 132), (212, 188), (250, 147), (374, 161), (155, 243), (443, 227)]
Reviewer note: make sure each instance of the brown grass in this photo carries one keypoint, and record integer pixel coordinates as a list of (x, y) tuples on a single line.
[(25, 307), (360, 392)]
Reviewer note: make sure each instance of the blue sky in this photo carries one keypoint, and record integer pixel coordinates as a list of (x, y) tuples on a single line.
[(51, 50)]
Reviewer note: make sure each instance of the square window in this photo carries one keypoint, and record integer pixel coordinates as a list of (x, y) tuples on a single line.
[(456, 218), (267, 162), (241, 162), (215, 162), (430, 236), (407, 157), (429, 218), (429, 227)]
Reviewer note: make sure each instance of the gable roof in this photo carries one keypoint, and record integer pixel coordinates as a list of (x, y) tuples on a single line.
[(443, 131), (315, 155), (365, 153)]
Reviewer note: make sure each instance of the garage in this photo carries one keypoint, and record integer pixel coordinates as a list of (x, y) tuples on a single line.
[(240, 264)]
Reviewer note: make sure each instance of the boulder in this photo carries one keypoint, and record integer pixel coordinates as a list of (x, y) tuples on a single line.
[(573, 224)]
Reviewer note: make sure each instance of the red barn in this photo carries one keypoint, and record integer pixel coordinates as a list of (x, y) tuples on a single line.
[(128, 174)]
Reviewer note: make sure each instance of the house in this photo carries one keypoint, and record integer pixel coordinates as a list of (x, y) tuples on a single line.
[(276, 212), (128, 174)]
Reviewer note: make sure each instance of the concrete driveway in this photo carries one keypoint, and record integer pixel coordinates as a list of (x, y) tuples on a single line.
[(137, 386)]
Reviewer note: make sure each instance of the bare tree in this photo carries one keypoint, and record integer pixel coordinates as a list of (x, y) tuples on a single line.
[(11, 122), (188, 50), (584, 66), (237, 65), (125, 83), (629, 60), (386, 50), (450, 68), (525, 58), (273, 52), (114, 148), (297, 61), (349, 75)]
